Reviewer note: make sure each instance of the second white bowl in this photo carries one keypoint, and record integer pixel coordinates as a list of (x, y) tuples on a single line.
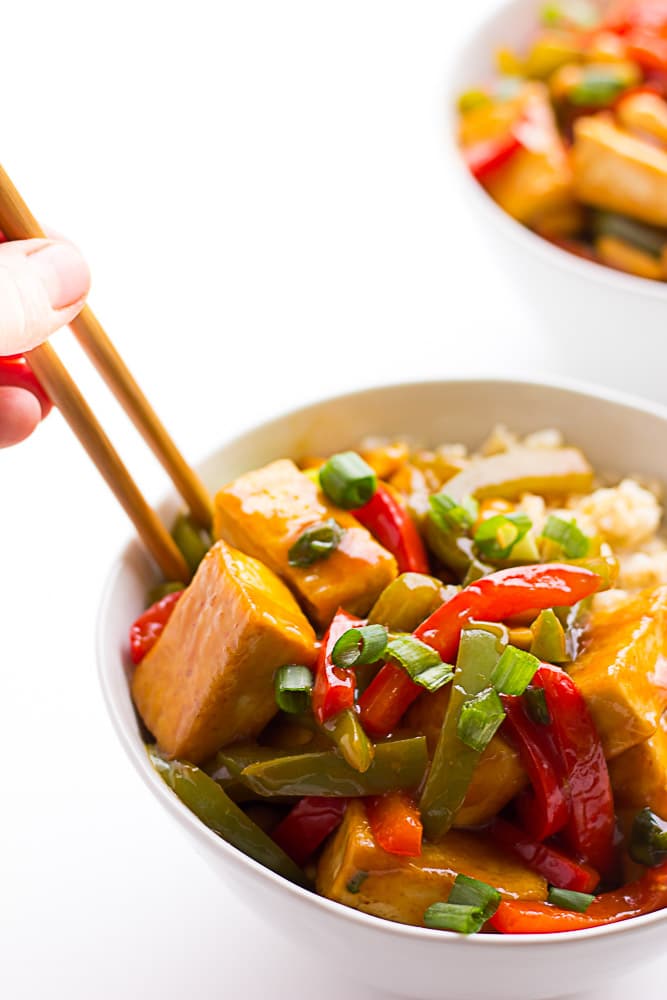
[(602, 325)]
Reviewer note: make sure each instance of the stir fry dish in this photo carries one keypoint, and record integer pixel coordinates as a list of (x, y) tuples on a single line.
[(571, 138), (430, 685)]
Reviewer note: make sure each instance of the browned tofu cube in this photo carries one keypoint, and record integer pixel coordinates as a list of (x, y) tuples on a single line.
[(619, 171), (401, 889), (639, 776), (499, 775), (208, 681), (264, 512), (622, 672), (537, 179)]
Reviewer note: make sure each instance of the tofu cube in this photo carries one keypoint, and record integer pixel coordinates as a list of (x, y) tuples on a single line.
[(622, 672), (401, 889), (536, 181), (619, 171), (208, 681), (639, 776), (264, 512)]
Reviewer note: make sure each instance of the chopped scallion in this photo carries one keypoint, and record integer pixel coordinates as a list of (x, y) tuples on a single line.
[(358, 646), (469, 891), (496, 537), (293, 685), (568, 899), (448, 515), (419, 661), (648, 840), (452, 917), (514, 671), (347, 480), (316, 542), (535, 702), (479, 719), (568, 535)]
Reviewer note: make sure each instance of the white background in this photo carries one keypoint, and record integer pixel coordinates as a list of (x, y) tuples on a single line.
[(262, 191)]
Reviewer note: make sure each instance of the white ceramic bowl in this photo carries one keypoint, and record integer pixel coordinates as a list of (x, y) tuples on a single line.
[(602, 325), (619, 435)]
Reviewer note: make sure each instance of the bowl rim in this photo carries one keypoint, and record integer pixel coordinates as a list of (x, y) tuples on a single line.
[(109, 662), (511, 227)]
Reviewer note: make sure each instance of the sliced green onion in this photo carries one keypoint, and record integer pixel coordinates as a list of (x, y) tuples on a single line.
[(452, 917), (496, 537), (163, 590), (479, 719), (419, 661), (568, 535), (355, 883), (468, 891), (317, 542), (535, 702), (648, 840), (568, 899), (449, 515), (514, 671), (347, 480), (360, 645), (597, 88), (293, 685), (192, 541)]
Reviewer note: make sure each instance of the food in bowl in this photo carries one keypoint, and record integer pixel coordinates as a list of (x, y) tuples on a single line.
[(476, 741), (571, 138)]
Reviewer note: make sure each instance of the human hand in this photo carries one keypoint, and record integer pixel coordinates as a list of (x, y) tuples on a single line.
[(43, 285)]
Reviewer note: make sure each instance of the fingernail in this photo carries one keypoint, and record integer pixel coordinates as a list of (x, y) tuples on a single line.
[(63, 272)]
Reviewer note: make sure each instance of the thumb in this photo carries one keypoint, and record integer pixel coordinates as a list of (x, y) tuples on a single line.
[(43, 285)]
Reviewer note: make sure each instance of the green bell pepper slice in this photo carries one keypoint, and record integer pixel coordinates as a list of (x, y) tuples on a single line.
[(207, 800), (408, 601), (549, 643), (397, 764), (454, 762)]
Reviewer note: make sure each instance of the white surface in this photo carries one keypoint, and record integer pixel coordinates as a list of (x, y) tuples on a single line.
[(261, 191)]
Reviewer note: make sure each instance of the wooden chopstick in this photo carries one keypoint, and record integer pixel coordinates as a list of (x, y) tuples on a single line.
[(53, 375), (17, 222)]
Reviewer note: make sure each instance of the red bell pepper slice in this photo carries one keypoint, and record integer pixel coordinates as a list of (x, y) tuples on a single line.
[(393, 527), (591, 827), (646, 895), (557, 868), (333, 690), (493, 598), (308, 825), (148, 628), (16, 372), (484, 157), (648, 50), (396, 824), (545, 809)]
